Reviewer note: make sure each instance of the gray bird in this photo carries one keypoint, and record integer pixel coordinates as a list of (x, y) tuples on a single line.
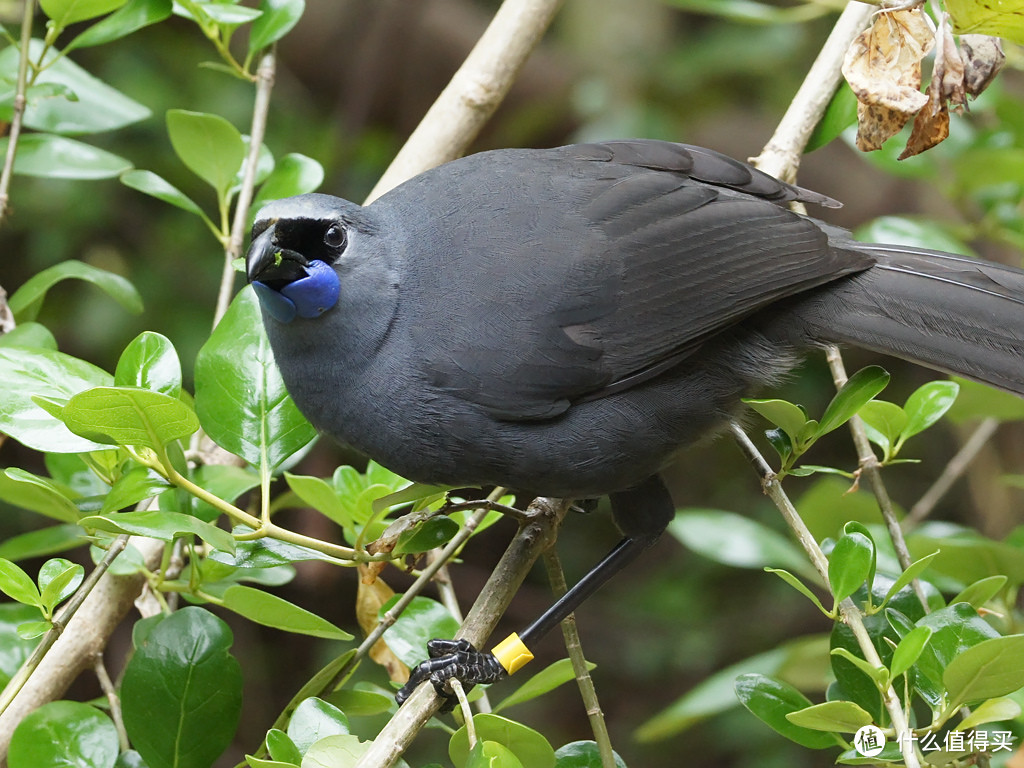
[(564, 321)]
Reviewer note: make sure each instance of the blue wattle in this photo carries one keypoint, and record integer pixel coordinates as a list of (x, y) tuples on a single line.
[(279, 307), (316, 293), (307, 297)]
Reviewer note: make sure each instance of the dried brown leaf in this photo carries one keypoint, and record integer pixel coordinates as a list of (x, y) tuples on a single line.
[(883, 67), (372, 593), (983, 57)]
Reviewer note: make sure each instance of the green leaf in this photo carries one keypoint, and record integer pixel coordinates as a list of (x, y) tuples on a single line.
[(914, 233), (55, 157), (993, 667), (551, 677), (13, 649), (30, 630), (913, 570), (17, 584), (39, 494), (909, 649), (423, 620), (990, 711), (42, 542), (427, 535), (786, 416), (859, 389), (840, 114), (321, 496), (981, 401), (927, 404), (129, 416), (277, 20), (272, 611), (132, 487), (582, 754), (981, 591), (738, 541), (150, 362), (315, 719), (64, 733), (58, 580), (849, 564), (878, 675), (294, 174), (1003, 19), (240, 396), (165, 526), (362, 700), (129, 18), (335, 752), (150, 184), (67, 12), (182, 691), (209, 146), (884, 423), (772, 700), (529, 747), (841, 716), (281, 748), (26, 302), (29, 335)]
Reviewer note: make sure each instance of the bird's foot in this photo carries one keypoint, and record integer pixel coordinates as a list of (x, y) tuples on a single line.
[(448, 659)]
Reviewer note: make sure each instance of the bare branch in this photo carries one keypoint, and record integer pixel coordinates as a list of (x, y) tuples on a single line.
[(19, 108)]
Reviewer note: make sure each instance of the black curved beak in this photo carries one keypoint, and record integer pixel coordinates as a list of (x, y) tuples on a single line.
[(272, 265)]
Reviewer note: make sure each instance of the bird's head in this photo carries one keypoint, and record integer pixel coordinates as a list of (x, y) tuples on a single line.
[(296, 244)]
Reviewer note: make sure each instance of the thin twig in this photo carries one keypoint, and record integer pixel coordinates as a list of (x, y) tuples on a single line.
[(532, 539), (113, 700), (574, 648), (473, 93), (20, 103), (258, 129), (849, 612), (953, 470), (872, 470)]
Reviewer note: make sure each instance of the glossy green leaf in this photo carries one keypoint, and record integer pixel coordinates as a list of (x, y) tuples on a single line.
[(165, 526), (208, 145), (77, 103), (221, 12), (1001, 19), (321, 496), (362, 700), (150, 184), (129, 416), (771, 700), (277, 20), (786, 416), (859, 389), (42, 542), (338, 751), (799, 586), (39, 494), (884, 422), (841, 716), (150, 362), (17, 584), (909, 649), (423, 620), (268, 553), (913, 570), (240, 397), (582, 754), (29, 334), (281, 748), (13, 649), (225, 482), (552, 676), (738, 541), (990, 711), (64, 733), (26, 302), (66, 12), (56, 157), (993, 667), (181, 694), (927, 404), (58, 580), (294, 174), (132, 487), (314, 719), (273, 611), (912, 232), (529, 747), (981, 401), (878, 675), (981, 591), (849, 564), (429, 534), (129, 18)]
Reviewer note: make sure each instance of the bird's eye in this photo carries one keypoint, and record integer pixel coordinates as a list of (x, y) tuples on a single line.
[(334, 237)]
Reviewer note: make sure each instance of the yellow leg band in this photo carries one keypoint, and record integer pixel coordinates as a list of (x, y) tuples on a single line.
[(511, 653)]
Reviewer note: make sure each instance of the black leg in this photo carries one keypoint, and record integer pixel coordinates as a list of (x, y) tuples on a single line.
[(642, 513)]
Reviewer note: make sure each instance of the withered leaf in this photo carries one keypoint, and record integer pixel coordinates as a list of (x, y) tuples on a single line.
[(883, 68), (983, 58), (371, 595)]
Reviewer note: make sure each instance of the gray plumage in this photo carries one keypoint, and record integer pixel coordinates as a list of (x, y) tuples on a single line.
[(565, 320)]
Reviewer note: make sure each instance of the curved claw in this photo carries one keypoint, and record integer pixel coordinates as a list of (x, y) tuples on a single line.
[(448, 659)]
